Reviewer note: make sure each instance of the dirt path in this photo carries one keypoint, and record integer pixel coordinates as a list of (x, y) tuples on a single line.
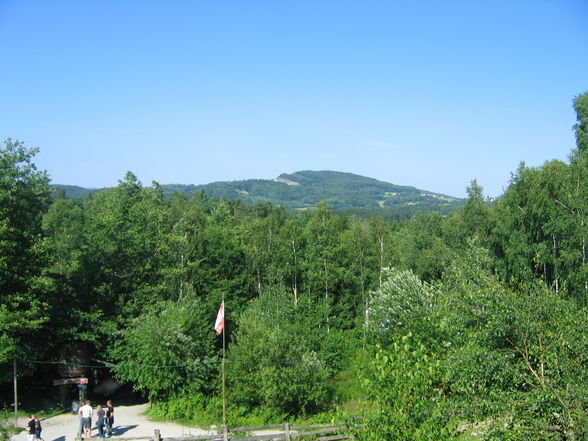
[(129, 421)]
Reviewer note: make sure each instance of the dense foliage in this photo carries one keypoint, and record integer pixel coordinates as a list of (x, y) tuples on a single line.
[(275, 360), (24, 197), (344, 192), (471, 325)]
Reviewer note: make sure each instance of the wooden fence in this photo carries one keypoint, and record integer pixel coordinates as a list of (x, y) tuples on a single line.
[(278, 432)]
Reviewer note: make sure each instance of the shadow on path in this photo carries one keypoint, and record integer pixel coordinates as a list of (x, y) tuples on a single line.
[(61, 438), (119, 430)]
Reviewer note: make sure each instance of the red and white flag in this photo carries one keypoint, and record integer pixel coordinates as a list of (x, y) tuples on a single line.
[(220, 319)]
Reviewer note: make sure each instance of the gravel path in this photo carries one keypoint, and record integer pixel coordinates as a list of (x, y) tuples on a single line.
[(129, 421)]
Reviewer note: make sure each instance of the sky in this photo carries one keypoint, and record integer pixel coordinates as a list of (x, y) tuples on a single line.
[(431, 94)]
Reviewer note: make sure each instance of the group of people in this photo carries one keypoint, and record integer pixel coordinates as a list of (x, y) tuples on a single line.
[(104, 419), (33, 428)]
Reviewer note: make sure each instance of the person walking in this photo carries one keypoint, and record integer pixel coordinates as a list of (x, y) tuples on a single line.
[(30, 428), (86, 414), (38, 428), (101, 414)]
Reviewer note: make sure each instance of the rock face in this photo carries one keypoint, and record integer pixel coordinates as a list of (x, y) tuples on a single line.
[(286, 181)]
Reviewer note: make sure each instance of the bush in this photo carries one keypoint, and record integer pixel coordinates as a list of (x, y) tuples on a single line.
[(402, 304), (401, 383), (272, 363), (166, 348)]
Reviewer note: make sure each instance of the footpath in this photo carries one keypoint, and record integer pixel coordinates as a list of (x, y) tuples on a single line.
[(129, 421)]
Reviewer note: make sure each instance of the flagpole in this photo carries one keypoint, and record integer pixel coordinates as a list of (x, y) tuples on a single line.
[(219, 327), (223, 374)]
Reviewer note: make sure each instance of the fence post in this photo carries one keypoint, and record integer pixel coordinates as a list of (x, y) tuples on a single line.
[(225, 433), (287, 432), (156, 435)]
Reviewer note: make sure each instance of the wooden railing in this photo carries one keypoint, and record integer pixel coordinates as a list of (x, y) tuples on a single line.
[(278, 432)]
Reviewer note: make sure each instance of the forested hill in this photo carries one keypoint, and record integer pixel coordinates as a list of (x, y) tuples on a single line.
[(304, 189)]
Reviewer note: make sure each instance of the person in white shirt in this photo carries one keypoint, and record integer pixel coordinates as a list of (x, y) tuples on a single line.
[(86, 413)]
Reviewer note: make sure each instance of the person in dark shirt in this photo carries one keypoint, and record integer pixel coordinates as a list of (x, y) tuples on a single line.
[(30, 428), (38, 429), (109, 417), (101, 413)]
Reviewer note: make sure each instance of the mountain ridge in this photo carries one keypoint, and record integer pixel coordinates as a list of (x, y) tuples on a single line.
[(303, 189)]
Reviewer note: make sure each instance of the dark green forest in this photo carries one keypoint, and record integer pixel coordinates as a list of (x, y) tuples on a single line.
[(346, 193), (466, 325)]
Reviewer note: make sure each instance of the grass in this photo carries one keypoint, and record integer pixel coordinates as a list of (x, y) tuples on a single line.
[(42, 414), (205, 412)]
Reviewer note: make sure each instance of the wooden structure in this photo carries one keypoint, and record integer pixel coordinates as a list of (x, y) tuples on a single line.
[(82, 386), (62, 381), (278, 432)]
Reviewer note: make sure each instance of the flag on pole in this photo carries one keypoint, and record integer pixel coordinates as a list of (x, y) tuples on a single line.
[(220, 319)]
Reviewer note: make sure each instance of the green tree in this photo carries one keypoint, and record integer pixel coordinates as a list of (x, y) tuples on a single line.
[(263, 244), (473, 314), (541, 227), (516, 227), (581, 127), (73, 319), (24, 197), (400, 306), (292, 269), (223, 267), (400, 383), (123, 229), (360, 263), (380, 234), (475, 218), (272, 362), (168, 350), (574, 202), (322, 271), (180, 246), (423, 246), (512, 359)]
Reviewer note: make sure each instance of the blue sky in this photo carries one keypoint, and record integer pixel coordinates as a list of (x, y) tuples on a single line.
[(431, 94)]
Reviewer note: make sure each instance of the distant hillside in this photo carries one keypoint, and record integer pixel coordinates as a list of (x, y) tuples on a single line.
[(342, 191), (72, 191), (304, 189)]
